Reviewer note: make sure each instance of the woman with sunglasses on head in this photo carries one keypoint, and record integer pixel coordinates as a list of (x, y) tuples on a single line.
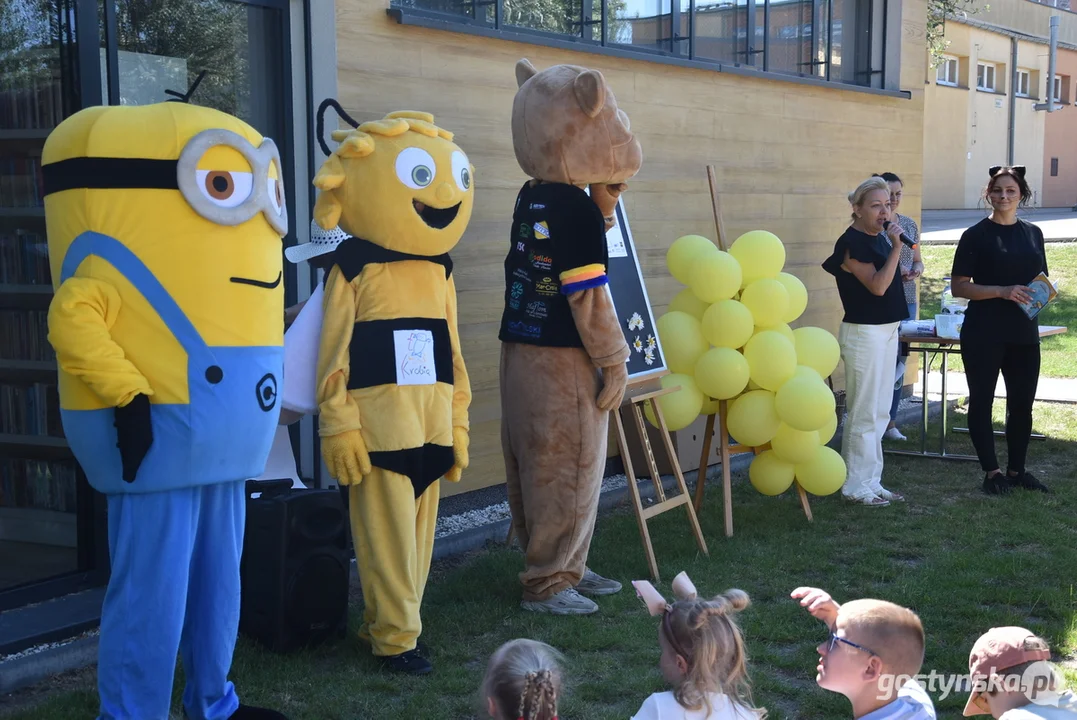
[(995, 260), (911, 266)]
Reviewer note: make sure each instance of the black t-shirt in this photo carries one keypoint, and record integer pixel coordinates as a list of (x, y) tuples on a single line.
[(994, 254), (862, 307), (557, 246)]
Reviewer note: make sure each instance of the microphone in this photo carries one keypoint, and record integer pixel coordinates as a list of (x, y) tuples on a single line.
[(902, 238)]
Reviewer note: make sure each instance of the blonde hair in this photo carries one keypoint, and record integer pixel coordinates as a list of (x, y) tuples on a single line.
[(892, 632), (524, 679), (856, 197), (705, 634)]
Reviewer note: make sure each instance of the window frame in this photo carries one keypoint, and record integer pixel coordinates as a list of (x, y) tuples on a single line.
[(987, 66), (881, 58), (946, 63), (1026, 75)]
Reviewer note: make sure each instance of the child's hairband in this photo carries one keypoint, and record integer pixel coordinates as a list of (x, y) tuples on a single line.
[(683, 589)]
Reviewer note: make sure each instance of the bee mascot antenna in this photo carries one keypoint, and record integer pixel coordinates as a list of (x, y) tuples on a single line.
[(164, 232)]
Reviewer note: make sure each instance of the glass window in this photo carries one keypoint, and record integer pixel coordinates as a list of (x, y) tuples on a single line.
[(39, 481), (1023, 83), (985, 77), (722, 30), (642, 24), (946, 73)]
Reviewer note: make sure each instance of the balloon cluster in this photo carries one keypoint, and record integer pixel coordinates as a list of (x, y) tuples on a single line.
[(726, 336)]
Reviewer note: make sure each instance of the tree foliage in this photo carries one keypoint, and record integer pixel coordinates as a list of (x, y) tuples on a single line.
[(938, 11)]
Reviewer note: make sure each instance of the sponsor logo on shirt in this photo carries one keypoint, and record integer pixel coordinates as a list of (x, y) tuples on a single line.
[(538, 206), (521, 246), (547, 286), (515, 293), (541, 262), (522, 274), (537, 309), (524, 329), (542, 230), (525, 231)]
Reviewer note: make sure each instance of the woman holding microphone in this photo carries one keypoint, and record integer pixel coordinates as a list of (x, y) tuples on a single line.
[(865, 266), (995, 260)]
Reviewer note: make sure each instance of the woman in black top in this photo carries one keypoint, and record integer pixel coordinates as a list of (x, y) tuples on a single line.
[(864, 264), (995, 260)]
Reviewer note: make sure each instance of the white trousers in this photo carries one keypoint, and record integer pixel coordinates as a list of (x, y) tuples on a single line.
[(868, 352)]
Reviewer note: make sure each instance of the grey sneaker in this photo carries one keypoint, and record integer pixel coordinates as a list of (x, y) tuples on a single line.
[(566, 602), (594, 584)]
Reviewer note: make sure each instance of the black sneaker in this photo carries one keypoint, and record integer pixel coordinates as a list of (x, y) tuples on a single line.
[(422, 649), (1028, 481), (410, 662), (997, 484), (246, 712)]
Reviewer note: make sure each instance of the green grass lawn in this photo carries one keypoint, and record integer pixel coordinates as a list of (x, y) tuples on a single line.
[(964, 561), (1059, 353)]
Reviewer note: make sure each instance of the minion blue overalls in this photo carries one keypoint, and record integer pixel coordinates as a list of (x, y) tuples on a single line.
[(176, 533)]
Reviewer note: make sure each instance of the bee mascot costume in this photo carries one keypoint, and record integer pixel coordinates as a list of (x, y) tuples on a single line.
[(559, 331), (393, 392), (164, 232)]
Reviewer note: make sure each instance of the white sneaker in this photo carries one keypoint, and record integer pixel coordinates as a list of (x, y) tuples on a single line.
[(894, 434), (566, 602)]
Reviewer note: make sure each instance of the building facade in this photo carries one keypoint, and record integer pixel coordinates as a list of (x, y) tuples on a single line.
[(794, 103), (985, 104)]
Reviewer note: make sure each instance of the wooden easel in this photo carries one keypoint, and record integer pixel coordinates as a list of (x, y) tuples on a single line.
[(726, 452)]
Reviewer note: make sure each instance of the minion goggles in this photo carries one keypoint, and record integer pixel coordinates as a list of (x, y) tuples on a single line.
[(224, 198)]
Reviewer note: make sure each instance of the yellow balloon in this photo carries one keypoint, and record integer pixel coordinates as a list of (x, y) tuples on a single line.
[(684, 253), (728, 323), (795, 446), (767, 300), (769, 474), (710, 406), (760, 254), (826, 433), (798, 296), (804, 403), (753, 421), (685, 301), (782, 328), (804, 370), (682, 341), (722, 373), (772, 360), (824, 474), (715, 276), (679, 409), (817, 349)]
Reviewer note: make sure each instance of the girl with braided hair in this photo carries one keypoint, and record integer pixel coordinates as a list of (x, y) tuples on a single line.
[(703, 659), (523, 681)]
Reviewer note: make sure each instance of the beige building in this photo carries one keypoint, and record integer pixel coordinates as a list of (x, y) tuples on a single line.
[(983, 104)]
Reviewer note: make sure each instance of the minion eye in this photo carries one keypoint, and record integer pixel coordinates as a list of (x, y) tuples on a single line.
[(461, 170), (275, 194), (225, 188), (415, 168)]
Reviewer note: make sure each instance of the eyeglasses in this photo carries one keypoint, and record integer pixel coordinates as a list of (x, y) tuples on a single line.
[(834, 640)]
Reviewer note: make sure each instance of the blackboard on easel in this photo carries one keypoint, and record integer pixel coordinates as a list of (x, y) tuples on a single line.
[(632, 304)]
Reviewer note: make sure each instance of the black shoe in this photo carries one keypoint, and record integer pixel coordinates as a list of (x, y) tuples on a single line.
[(422, 649), (997, 484), (410, 662), (1028, 481), (246, 712)]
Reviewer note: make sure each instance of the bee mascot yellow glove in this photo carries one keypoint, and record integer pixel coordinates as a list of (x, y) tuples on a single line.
[(164, 230), (393, 391), (563, 352)]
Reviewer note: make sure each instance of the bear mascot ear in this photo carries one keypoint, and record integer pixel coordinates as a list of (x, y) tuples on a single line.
[(590, 89), (524, 71)]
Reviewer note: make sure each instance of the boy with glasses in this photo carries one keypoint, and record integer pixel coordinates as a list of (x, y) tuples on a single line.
[(873, 651)]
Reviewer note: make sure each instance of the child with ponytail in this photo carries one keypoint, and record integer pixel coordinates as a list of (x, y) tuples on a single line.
[(523, 681), (703, 656)]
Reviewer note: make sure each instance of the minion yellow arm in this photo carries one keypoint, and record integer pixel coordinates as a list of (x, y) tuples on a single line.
[(81, 316), (338, 410)]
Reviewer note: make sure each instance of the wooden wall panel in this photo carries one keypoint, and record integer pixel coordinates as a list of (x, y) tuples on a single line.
[(786, 156)]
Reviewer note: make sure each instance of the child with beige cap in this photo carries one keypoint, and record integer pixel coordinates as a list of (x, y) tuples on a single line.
[(874, 650), (1012, 680)]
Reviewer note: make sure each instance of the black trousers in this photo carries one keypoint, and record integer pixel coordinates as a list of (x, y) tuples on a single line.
[(1020, 367)]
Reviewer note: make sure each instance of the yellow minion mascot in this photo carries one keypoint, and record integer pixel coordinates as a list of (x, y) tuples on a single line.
[(164, 231), (393, 392)]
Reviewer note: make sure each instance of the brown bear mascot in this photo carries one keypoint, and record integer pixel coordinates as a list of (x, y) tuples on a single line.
[(563, 352)]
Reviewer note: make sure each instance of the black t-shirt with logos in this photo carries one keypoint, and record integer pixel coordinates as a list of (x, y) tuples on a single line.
[(862, 307), (556, 228), (994, 254)]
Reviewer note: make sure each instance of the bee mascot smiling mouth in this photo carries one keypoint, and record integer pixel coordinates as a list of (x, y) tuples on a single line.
[(164, 231), (559, 329), (393, 392)]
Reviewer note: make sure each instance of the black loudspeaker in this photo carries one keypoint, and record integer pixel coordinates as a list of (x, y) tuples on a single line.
[(295, 567)]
